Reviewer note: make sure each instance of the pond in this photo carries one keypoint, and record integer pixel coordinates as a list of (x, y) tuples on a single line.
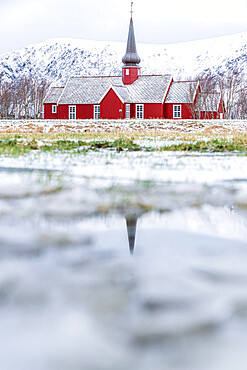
[(118, 261)]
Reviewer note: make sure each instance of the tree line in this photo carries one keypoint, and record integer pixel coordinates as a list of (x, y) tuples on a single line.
[(23, 97), (232, 86)]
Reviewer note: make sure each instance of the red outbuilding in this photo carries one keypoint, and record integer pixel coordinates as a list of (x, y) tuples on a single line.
[(131, 95), (210, 106)]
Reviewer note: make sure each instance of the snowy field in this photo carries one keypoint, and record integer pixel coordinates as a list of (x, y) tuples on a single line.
[(71, 294), (81, 126)]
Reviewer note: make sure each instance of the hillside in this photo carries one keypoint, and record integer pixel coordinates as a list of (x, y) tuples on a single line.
[(57, 59)]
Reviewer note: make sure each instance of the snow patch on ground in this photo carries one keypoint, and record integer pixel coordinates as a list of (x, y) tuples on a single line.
[(81, 126)]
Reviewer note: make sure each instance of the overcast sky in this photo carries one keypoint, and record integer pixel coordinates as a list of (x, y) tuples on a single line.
[(23, 22)]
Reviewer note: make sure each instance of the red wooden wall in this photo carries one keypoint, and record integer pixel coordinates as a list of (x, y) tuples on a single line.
[(132, 76), (48, 112), (132, 111), (110, 105), (84, 111), (152, 110), (222, 108), (185, 111), (209, 115), (63, 112)]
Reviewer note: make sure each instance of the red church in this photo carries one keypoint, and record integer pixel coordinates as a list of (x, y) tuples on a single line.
[(131, 95)]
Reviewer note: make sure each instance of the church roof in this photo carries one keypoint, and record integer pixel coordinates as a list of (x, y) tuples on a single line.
[(208, 102), (87, 90), (53, 95), (182, 92), (122, 92), (91, 90), (149, 89)]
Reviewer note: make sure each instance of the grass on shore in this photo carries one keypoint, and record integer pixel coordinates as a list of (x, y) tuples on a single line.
[(135, 135), (18, 144)]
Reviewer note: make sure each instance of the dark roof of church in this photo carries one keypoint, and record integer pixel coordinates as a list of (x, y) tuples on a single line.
[(91, 90), (131, 58)]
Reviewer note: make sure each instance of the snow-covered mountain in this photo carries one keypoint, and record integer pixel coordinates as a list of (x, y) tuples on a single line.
[(57, 59)]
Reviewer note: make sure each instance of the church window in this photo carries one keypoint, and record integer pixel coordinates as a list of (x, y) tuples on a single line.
[(54, 109), (72, 112), (96, 111), (139, 110), (127, 72), (127, 111), (177, 111)]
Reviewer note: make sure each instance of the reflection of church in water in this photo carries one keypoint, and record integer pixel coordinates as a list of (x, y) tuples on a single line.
[(131, 223)]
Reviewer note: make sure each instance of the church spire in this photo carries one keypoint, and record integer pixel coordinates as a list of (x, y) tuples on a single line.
[(131, 60), (131, 10), (131, 57)]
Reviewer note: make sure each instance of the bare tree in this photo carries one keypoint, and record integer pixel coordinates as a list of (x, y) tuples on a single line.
[(208, 82), (191, 97), (30, 96), (6, 101), (23, 96), (241, 101), (228, 83), (191, 100), (39, 90)]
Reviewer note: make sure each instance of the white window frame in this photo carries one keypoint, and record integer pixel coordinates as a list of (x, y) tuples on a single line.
[(127, 111), (96, 111), (54, 109), (177, 110), (140, 111), (127, 72), (72, 111)]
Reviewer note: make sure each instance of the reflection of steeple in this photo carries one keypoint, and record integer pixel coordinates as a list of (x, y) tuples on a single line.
[(131, 229)]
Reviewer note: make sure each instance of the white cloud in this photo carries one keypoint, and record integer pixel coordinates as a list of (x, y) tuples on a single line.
[(209, 11), (21, 14)]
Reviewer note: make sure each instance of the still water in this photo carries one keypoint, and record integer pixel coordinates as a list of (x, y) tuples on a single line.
[(123, 261)]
